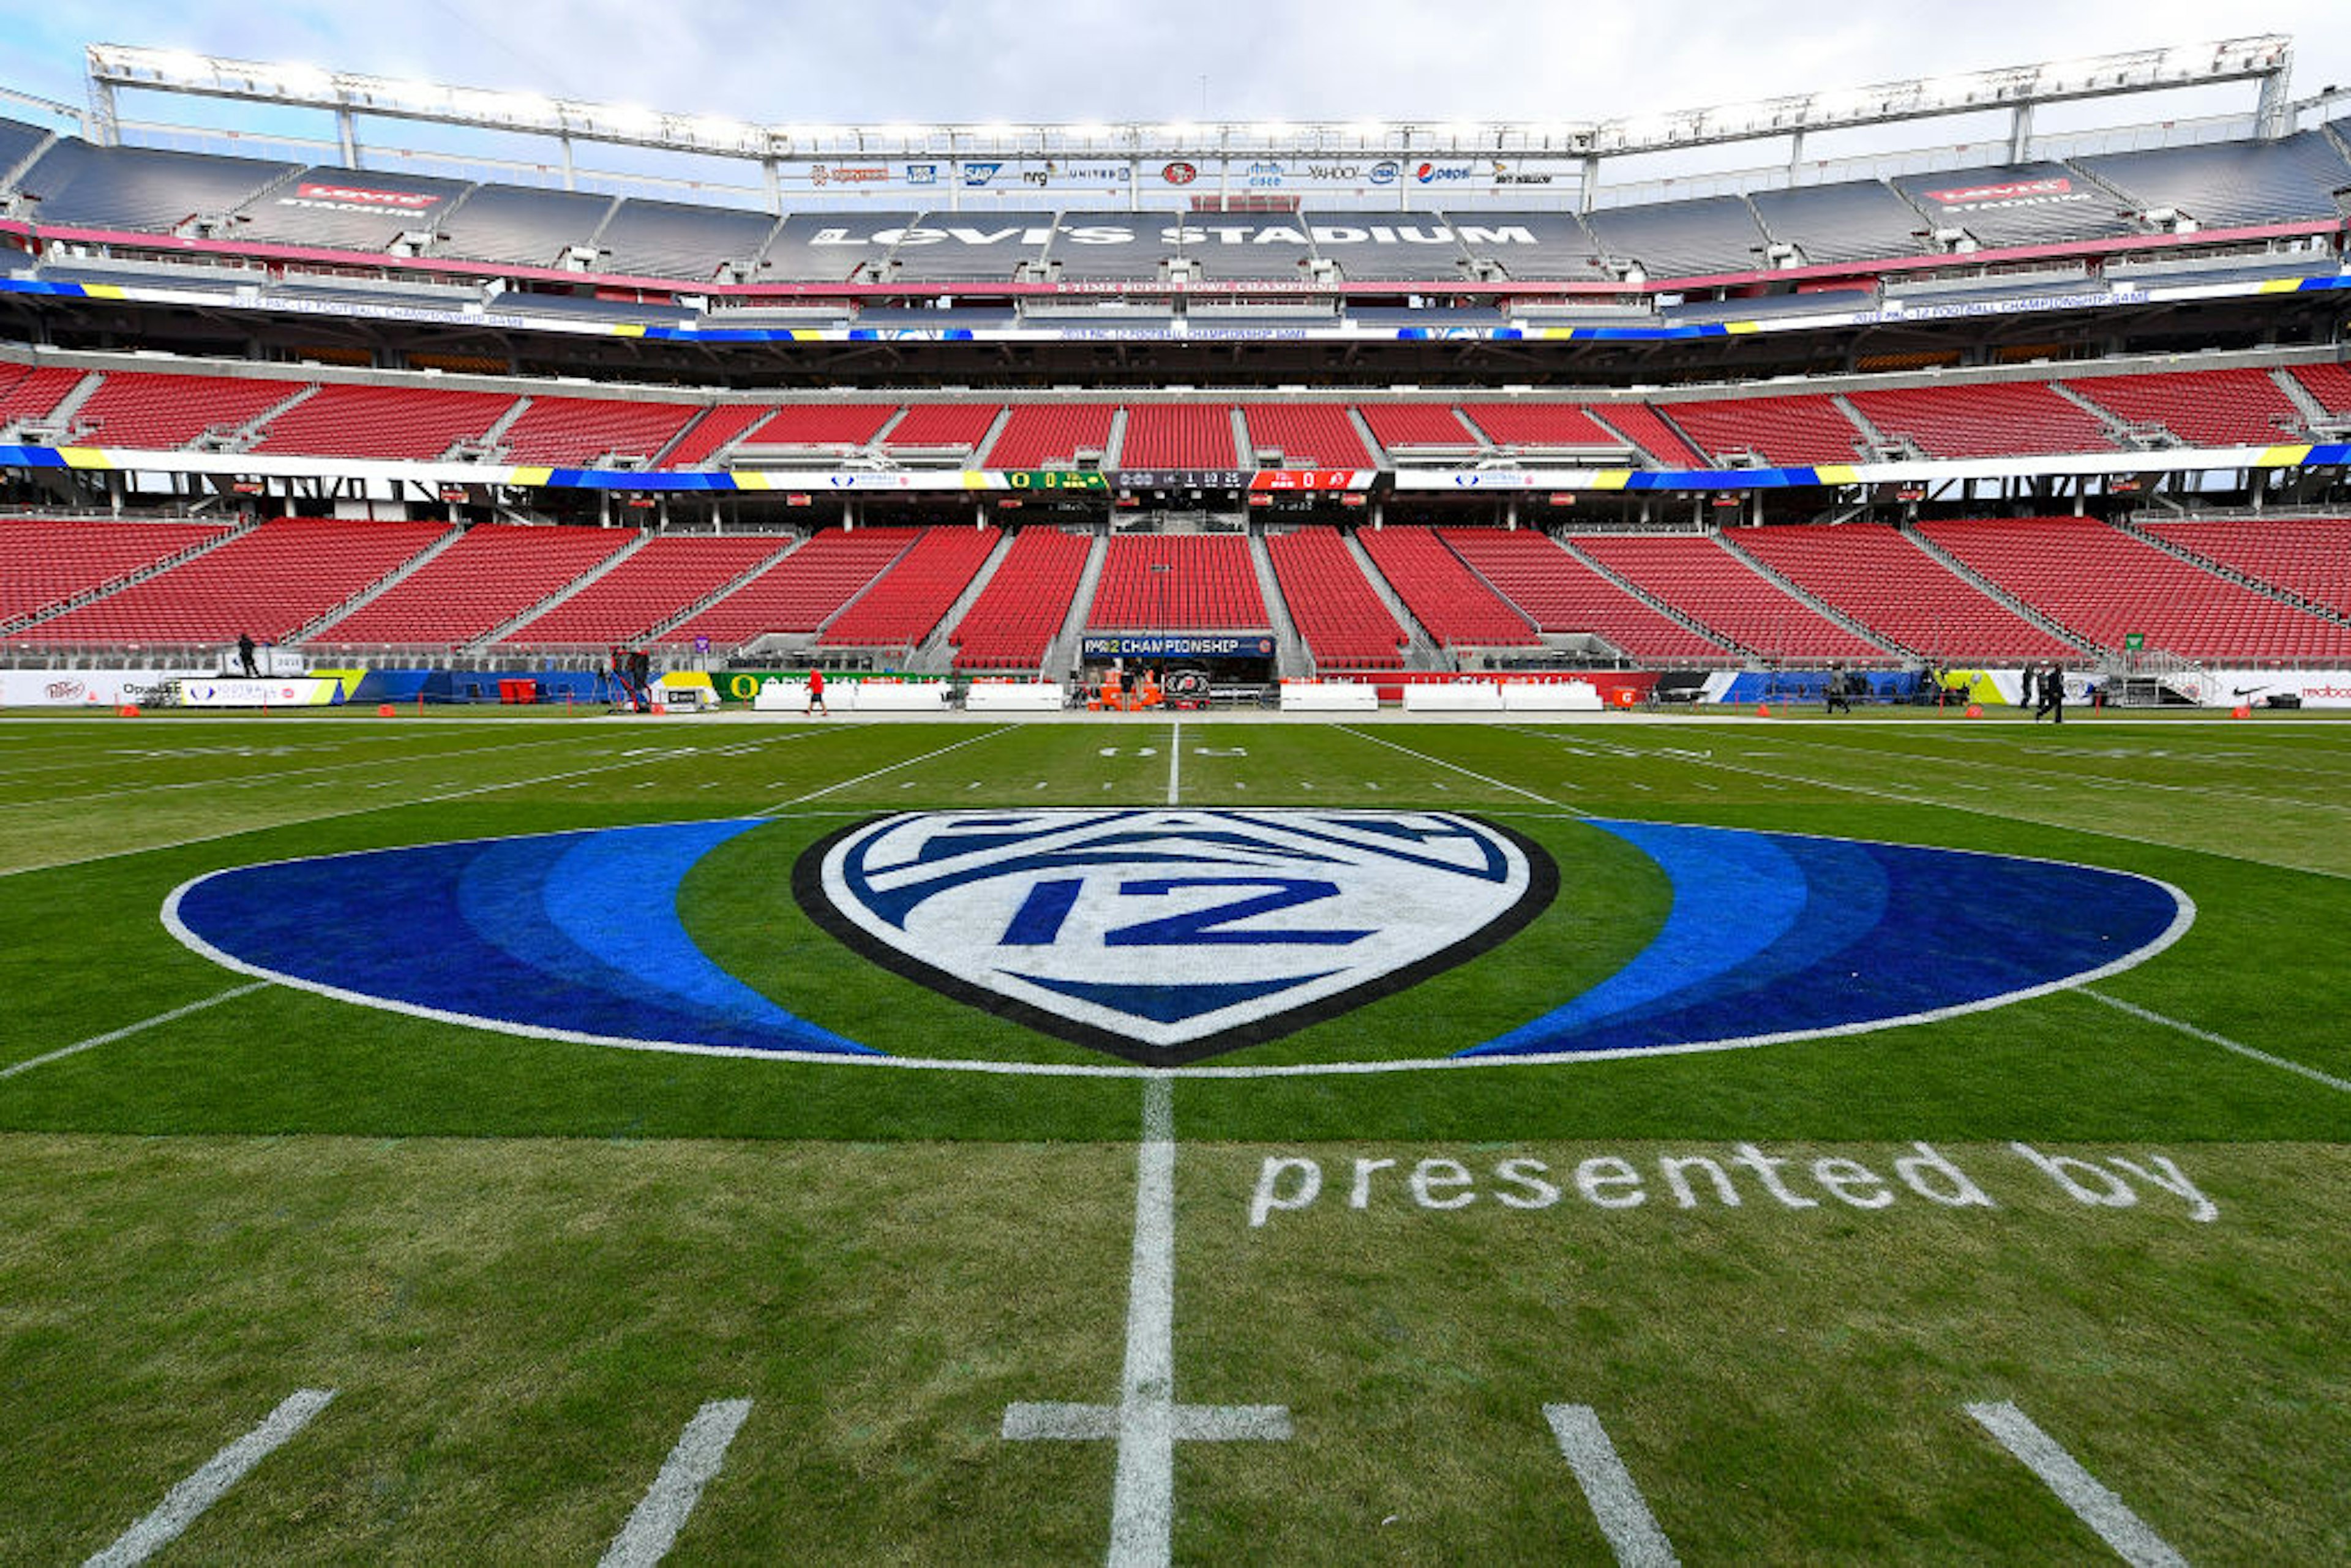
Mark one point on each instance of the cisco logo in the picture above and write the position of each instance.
(1179, 173)
(1385, 173)
(1440, 174)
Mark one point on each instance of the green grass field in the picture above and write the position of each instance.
(523, 1264)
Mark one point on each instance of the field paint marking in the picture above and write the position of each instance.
(1146, 1421)
(2077, 1488)
(2223, 1041)
(2094, 780)
(180, 1506)
(662, 1511)
(1175, 763)
(236, 780)
(130, 1029)
(1496, 783)
(1617, 1503)
(878, 772)
(2010, 817)
(392, 806)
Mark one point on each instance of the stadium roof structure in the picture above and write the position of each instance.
(1396, 154)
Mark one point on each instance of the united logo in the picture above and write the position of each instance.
(1168, 935)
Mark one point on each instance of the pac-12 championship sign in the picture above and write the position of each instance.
(1162, 936)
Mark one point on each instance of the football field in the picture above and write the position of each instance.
(542, 1139)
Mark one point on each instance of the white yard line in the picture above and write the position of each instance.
(1175, 764)
(228, 781)
(1143, 1497)
(1617, 1506)
(662, 1511)
(390, 806)
(186, 1501)
(128, 1029)
(1440, 761)
(2077, 1488)
(2006, 814)
(879, 772)
(2223, 1041)
(1147, 1422)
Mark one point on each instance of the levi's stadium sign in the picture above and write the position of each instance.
(313, 193)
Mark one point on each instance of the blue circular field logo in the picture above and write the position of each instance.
(1179, 938)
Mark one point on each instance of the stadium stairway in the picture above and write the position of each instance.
(1423, 652)
(491, 439)
(1881, 445)
(152, 568)
(1291, 657)
(1810, 601)
(1372, 447)
(663, 628)
(2119, 431)
(2315, 415)
(1061, 653)
(1115, 442)
(513, 624)
(1993, 590)
(2222, 568)
(1687, 624)
(381, 586)
(987, 442)
(935, 654)
(248, 435)
(61, 413)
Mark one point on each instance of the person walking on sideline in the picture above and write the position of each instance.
(816, 695)
(245, 655)
(2052, 693)
(1833, 697)
(2031, 678)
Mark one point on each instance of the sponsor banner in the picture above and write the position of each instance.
(214, 691)
(1015, 696)
(1329, 696)
(1177, 645)
(2258, 688)
(744, 685)
(87, 688)
(1313, 479)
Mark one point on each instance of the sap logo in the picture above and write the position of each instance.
(980, 173)
(922, 173)
(1179, 173)
(1166, 935)
(1385, 173)
(1440, 174)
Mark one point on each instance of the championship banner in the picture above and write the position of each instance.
(1177, 645)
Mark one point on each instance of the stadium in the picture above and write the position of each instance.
(1210, 840)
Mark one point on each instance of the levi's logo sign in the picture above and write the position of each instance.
(407, 200)
(2056, 186)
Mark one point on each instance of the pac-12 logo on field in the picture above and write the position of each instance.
(1168, 935)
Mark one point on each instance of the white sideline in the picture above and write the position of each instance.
(662, 1511)
(1455, 766)
(630, 761)
(878, 772)
(129, 1028)
(2223, 1041)
(1617, 1503)
(182, 1505)
(2077, 1488)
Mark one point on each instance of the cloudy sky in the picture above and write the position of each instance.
(881, 60)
